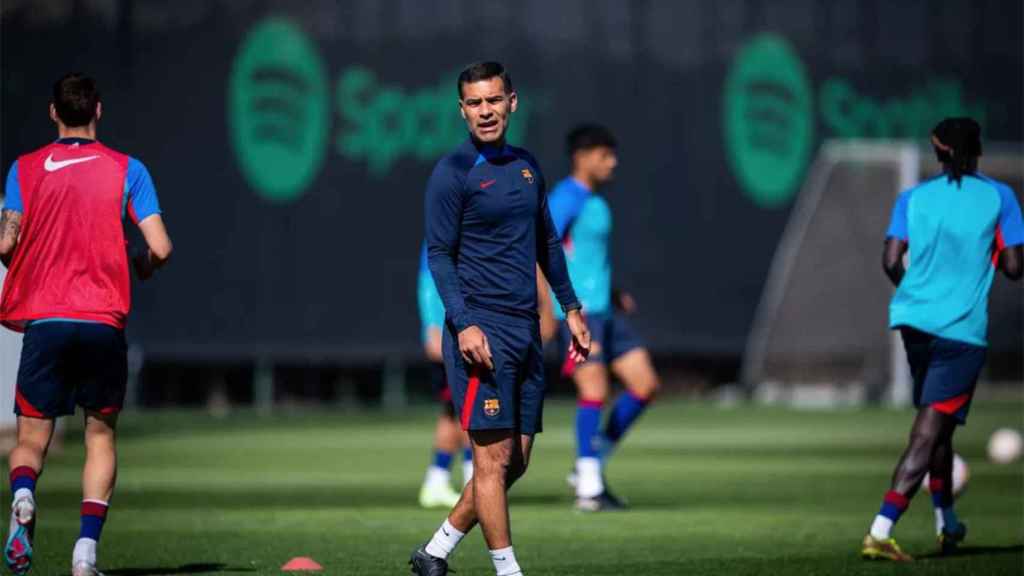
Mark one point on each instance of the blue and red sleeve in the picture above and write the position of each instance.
(1010, 228)
(565, 203)
(142, 201)
(12, 191)
(898, 223)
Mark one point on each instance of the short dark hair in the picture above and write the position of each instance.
(75, 97)
(484, 71)
(957, 143)
(587, 136)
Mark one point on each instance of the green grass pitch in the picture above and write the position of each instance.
(714, 491)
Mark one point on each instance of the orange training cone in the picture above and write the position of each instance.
(301, 563)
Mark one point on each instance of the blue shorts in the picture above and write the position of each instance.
(510, 397)
(611, 336)
(945, 371)
(64, 364)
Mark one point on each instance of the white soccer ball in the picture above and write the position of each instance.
(1005, 446)
(961, 473)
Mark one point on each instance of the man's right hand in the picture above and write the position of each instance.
(474, 348)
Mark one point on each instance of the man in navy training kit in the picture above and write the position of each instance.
(488, 228)
(958, 228)
(584, 222)
(68, 289)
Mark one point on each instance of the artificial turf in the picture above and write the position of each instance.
(743, 490)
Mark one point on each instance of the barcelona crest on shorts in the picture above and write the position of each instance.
(528, 175)
(492, 406)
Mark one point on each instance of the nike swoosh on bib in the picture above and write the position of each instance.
(51, 166)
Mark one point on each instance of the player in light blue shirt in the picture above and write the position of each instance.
(436, 490)
(584, 222)
(958, 228)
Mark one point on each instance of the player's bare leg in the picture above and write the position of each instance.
(26, 463)
(500, 457)
(948, 527)
(34, 435)
(636, 371)
(98, 478)
(100, 471)
(930, 429)
(507, 456)
(467, 456)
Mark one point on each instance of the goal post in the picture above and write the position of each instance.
(822, 319)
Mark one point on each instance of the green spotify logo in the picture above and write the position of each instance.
(278, 110)
(768, 119)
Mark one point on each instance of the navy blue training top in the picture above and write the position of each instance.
(487, 228)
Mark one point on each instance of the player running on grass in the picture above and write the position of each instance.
(958, 227)
(68, 290)
(487, 228)
(584, 223)
(448, 436)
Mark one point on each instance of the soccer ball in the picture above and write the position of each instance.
(1004, 446)
(961, 473)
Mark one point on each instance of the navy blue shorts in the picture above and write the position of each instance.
(64, 364)
(611, 336)
(945, 371)
(510, 397)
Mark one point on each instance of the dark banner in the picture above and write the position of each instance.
(290, 142)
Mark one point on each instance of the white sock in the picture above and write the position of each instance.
(444, 541)
(881, 528)
(23, 493)
(940, 521)
(438, 476)
(589, 483)
(505, 562)
(467, 472)
(85, 551)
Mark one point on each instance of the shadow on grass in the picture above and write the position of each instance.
(198, 568)
(975, 551)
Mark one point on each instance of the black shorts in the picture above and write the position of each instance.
(64, 364)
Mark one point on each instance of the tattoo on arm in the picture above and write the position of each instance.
(10, 229)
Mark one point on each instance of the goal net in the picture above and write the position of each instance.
(820, 334)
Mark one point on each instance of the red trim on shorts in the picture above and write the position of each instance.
(25, 407)
(470, 400)
(109, 410)
(445, 395)
(93, 508)
(936, 485)
(897, 499)
(952, 405)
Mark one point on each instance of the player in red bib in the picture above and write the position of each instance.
(68, 289)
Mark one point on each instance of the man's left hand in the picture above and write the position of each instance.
(579, 348)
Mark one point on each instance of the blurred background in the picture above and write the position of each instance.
(762, 144)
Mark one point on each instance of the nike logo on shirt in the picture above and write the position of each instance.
(487, 184)
(52, 166)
